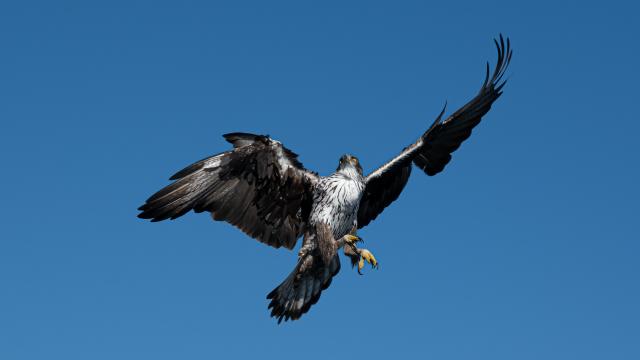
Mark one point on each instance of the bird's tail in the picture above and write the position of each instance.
(302, 288)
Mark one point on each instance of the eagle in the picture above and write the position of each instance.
(262, 188)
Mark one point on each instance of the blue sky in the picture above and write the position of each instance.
(525, 247)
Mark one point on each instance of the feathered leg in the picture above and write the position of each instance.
(312, 274)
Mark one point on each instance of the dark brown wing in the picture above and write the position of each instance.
(259, 186)
(432, 151)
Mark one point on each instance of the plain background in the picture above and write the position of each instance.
(525, 247)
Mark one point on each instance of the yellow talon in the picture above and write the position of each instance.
(352, 239)
(366, 255)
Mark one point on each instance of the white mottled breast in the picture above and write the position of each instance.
(335, 202)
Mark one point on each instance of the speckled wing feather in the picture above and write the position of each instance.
(432, 151)
(259, 187)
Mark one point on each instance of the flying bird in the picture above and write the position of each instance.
(260, 187)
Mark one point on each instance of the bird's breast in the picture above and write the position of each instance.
(336, 201)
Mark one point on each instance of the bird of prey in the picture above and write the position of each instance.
(260, 187)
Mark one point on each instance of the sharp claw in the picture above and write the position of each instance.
(353, 239)
(374, 262)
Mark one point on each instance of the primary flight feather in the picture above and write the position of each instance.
(260, 187)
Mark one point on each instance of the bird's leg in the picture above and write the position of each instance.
(307, 247)
(358, 256)
(304, 250)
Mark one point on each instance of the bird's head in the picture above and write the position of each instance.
(349, 163)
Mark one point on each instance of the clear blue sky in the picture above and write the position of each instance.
(526, 247)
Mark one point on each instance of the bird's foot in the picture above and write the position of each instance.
(352, 240)
(304, 250)
(358, 256)
(366, 255)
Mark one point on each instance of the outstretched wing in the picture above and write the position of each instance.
(432, 151)
(259, 187)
